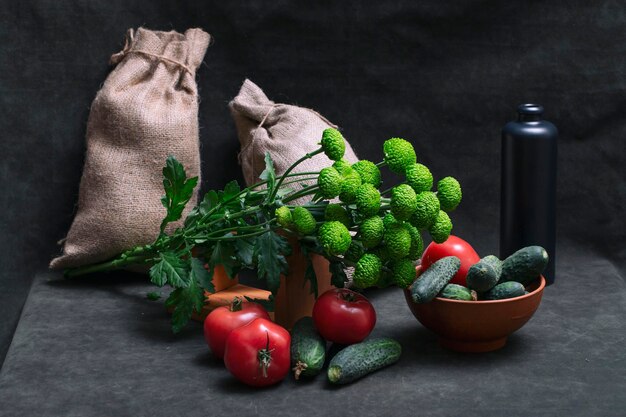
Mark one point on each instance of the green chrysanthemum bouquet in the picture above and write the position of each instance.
(349, 220)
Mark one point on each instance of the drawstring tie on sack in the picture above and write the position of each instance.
(251, 143)
(130, 37)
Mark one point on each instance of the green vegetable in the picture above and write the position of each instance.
(525, 265)
(153, 296)
(456, 292)
(361, 359)
(355, 251)
(351, 183)
(495, 263)
(284, 217)
(367, 200)
(371, 231)
(417, 243)
(441, 228)
(510, 289)
(178, 190)
(431, 282)
(403, 272)
(426, 210)
(337, 212)
(308, 349)
(342, 166)
(418, 176)
(403, 201)
(382, 252)
(333, 144)
(368, 171)
(449, 193)
(484, 275)
(388, 220)
(398, 241)
(255, 227)
(367, 271)
(329, 181)
(303, 221)
(399, 154)
(334, 237)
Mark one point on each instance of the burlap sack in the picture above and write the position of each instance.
(146, 110)
(287, 132)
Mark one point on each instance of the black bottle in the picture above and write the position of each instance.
(528, 184)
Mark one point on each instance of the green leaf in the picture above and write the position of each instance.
(224, 254)
(202, 276)
(185, 301)
(153, 296)
(269, 175)
(178, 190)
(311, 276)
(229, 195)
(270, 251)
(309, 273)
(208, 203)
(283, 191)
(338, 275)
(267, 304)
(170, 269)
(245, 251)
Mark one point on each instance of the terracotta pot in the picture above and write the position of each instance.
(294, 299)
(477, 326)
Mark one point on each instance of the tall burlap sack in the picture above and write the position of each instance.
(146, 110)
(287, 132)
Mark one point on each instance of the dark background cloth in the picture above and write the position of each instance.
(446, 75)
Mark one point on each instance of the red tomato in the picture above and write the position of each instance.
(454, 246)
(223, 320)
(258, 353)
(343, 316)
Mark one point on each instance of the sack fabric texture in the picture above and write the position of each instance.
(146, 110)
(286, 131)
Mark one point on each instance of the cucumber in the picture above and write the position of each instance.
(363, 358)
(308, 349)
(456, 292)
(525, 265)
(510, 289)
(484, 275)
(426, 287)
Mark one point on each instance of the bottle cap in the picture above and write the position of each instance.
(529, 112)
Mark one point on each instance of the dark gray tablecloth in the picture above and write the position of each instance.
(99, 348)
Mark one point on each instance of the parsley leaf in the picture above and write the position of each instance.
(178, 190)
(201, 275)
(153, 296)
(245, 250)
(170, 269)
(267, 304)
(338, 277)
(185, 301)
(269, 175)
(224, 254)
(309, 273)
(268, 253)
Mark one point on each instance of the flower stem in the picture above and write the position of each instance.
(295, 164)
(117, 263)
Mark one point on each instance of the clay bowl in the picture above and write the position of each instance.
(477, 326)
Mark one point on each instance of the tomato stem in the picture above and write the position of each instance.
(348, 296)
(265, 357)
(237, 304)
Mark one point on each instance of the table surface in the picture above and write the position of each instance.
(99, 347)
